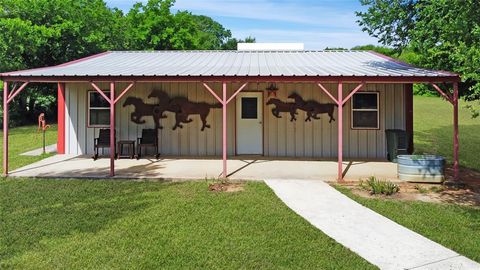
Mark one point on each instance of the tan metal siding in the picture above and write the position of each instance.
(282, 138)
(187, 141)
(319, 138)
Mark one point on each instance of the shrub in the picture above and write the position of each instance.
(421, 189)
(376, 186)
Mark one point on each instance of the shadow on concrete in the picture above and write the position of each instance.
(256, 161)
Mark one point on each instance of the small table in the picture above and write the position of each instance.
(130, 146)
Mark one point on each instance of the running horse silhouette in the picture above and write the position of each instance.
(313, 108)
(281, 106)
(183, 108)
(143, 110)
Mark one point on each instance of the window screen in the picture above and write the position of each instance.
(98, 109)
(365, 113)
(249, 108)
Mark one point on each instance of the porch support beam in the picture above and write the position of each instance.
(328, 93)
(224, 101)
(5, 128)
(444, 94)
(340, 131)
(112, 101)
(455, 133)
(236, 92)
(124, 92)
(454, 101)
(15, 92)
(340, 101)
(360, 86)
(112, 129)
(213, 93)
(224, 129)
(101, 92)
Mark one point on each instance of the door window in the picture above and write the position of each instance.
(249, 108)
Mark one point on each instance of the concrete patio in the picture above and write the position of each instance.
(175, 168)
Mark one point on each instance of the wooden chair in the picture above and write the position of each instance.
(149, 139)
(103, 141)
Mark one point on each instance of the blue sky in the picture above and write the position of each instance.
(318, 24)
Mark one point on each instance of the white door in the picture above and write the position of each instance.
(249, 123)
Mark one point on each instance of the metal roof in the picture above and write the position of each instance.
(233, 63)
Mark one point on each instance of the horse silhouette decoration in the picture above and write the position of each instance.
(144, 110)
(281, 106)
(183, 108)
(313, 108)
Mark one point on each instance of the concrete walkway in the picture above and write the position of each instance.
(37, 152)
(374, 237)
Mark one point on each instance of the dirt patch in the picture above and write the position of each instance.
(436, 193)
(464, 192)
(467, 176)
(226, 187)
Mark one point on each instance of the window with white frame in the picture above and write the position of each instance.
(365, 112)
(98, 109)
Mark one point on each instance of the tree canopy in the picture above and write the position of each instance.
(444, 34)
(38, 33)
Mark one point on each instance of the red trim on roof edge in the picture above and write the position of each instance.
(407, 64)
(60, 65)
(314, 79)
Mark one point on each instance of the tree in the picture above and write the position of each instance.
(211, 35)
(39, 33)
(152, 26)
(444, 33)
(380, 49)
(231, 43)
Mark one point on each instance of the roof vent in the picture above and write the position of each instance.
(270, 47)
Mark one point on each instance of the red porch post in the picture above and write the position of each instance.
(5, 128)
(112, 101)
(224, 129)
(224, 101)
(340, 101)
(340, 131)
(61, 118)
(408, 90)
(454, 101)
(112, 129)
(455, 132)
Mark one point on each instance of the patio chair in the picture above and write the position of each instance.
(149, 139)
(103, 141)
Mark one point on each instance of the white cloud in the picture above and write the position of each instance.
(314, 15)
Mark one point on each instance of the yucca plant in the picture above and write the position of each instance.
(376, 186)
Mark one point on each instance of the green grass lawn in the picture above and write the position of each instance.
(433, 129)
(455, 227)
(102, 224)
(23, 139)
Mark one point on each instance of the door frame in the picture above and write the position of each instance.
(263, 121)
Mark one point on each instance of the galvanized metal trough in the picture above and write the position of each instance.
(421, 168)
